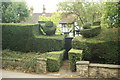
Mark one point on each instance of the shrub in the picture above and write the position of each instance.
(20, 61)
(97, 23)
(23, 37)
(54, 60)
(49, 24)
(87, 26)
(46, 43)
(94, 31)
(49, 28)
(101, 49)
(74, 56)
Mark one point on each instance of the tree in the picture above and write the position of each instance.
(55, 18)
(13, 12)
(111, 14)
(86, 12)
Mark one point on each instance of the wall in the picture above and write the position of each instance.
(90, 70)
(25, 66)
(41, 65)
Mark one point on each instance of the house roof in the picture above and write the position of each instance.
(35, 18)
(68, 19)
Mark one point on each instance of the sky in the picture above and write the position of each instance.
(51, 5)
(37, 5)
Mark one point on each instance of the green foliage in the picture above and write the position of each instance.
(49, 28)
(102, 48)
(110, 15)
(19, 60)
(23, 37)
(87, 26)
(13, 12)
(55, 18)
(54, 60)
(74, 56)
(94, 31)
(86, 12)
(96, 23)
(49, 24)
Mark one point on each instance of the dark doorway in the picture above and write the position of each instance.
(68, 46)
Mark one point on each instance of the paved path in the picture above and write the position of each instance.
(12, 74)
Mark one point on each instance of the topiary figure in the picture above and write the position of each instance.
(94, 31)
(49, 28)
(96, 23)
(49, 24)
(87, 26)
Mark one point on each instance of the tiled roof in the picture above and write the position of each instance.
(35, 18)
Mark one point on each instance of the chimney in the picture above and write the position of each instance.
(31, 11)
(44, 8)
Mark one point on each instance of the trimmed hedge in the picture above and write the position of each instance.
(48, 27)
(101, 49)
(24, 38)
(96, 23)
(94, 31)
(54, 60)
(87, 26)
(74, 56)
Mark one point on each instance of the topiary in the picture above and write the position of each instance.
(87, 26)
(49, 28)
(94, 31)
(96, 23)
(49, 24)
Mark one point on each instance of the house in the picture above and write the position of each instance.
(63, 24)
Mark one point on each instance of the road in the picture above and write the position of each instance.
(12, 74)
(9, 75)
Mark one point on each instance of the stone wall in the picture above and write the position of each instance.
(41, 65)
(18, 64)
(90, 70)
(23, 65)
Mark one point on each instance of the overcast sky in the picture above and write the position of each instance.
(50, 5)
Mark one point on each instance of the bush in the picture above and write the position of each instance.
(23, 37)
(97, 23)
(74, 56)
(87, 26)
(54, 60)
(49, 24)
(94, 31)
(49, 28)
(101, 49)
(46, 43)
(20, 61)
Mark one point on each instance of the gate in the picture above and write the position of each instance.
(68, 46)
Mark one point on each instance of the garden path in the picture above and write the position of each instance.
(65, 71)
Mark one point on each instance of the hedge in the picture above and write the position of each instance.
(54, 60)
(26, 38)
(74, 56)
(96, 23)
(94, 31)
(87, 26)
(100, 49)
(48, 27)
